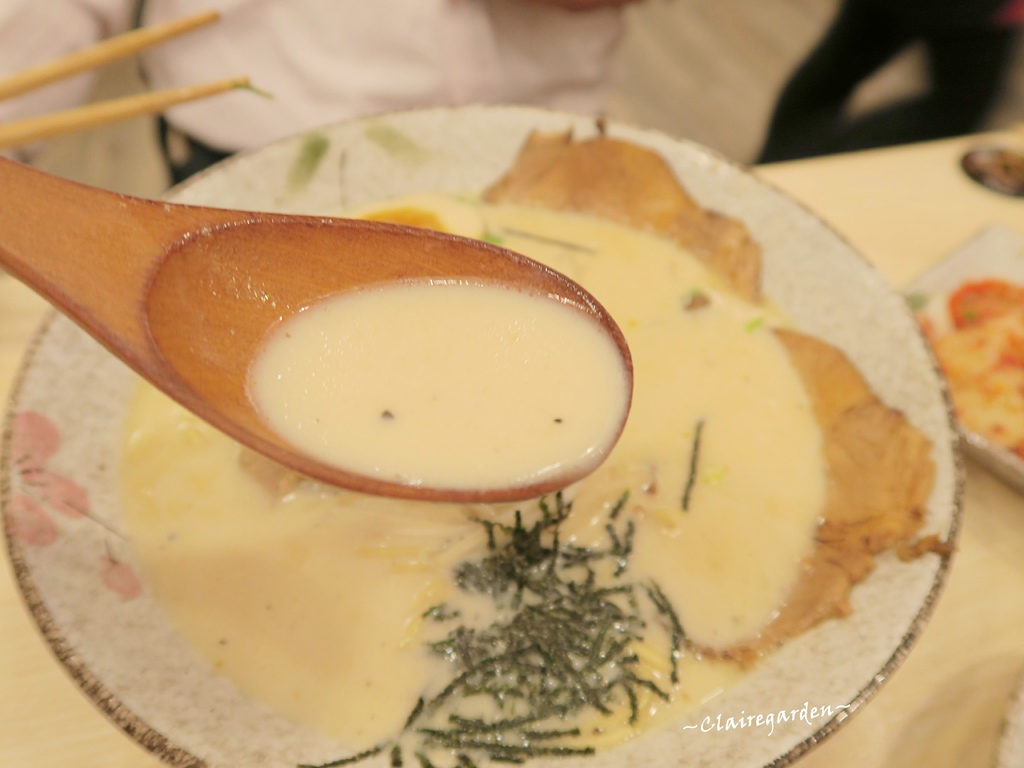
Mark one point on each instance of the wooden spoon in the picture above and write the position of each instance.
(185, 295)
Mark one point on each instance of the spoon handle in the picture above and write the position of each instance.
(90, 252)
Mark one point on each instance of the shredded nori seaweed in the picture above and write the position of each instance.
(561, 647)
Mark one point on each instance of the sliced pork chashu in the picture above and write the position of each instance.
(631, 185)
(880, 471)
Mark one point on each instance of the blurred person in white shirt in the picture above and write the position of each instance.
(323, 61)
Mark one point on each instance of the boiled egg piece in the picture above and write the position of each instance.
(444, 213)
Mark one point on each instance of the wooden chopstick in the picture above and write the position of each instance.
(92, 115)
(102, 53)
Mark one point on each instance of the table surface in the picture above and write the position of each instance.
(904, 208)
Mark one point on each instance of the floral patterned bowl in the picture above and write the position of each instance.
(60, 485)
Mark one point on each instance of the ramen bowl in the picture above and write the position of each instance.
(63, 434)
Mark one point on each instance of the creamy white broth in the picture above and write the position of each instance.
(733, 556)
(312, 599)
(449, 385)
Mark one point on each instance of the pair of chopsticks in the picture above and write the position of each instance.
(92, 115)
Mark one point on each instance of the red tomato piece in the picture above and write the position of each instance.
(980, 301)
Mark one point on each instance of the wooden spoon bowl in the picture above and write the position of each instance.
(185, 295)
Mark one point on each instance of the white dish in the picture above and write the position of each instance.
(64, 429)
(995, 252)
(1011, 743)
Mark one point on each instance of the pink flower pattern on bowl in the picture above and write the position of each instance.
(40, 491)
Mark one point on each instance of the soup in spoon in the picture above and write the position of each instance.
(456, 384)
